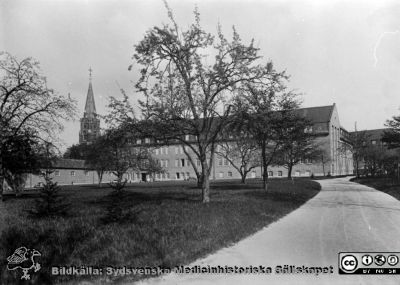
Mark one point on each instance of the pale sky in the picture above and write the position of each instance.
(343, 52)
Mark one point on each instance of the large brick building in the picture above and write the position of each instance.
(330, 135)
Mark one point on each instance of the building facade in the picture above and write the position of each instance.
(330, 136)
(69, 172)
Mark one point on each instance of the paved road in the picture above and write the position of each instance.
(343, 217)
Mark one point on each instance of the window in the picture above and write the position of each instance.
(147, 140)
(182, 175)
(230, 174)
(167, 175)
(297, 173)
(176, 162)
(270, 173)
(176, 150)
(253, 174)
(221, 175)
(72, 173)
(182, 162)
(279, 173)
(156, 151)
(198, 162)
(177, 175)
(166, 150)
(57, 173)
(158, 176)
(138, 141)
(187, 175)
(373, 142)
(166, 163)
(163, 176)
(181, 149)
(226, 162)
(87, 173)
(187, 138)
(220, 161)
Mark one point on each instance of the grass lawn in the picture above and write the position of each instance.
(165, 224)
(384, 184)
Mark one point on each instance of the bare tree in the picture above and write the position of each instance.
(299, 144)
(357, 146)
(322, 155)
(27, 105)
(240, 150)
(185, 89)
(265, 112)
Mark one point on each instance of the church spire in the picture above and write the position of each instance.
(90, 123)
(90, 107)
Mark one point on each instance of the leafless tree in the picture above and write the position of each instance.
(185, 88)
(27, 105)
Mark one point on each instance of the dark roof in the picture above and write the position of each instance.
(321, 114)
(63, 163)
(374, 134)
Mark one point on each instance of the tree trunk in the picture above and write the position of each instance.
(265, 178)
(199, 180)
(265, 166)
(100, 175)
(205, 188)
(289, 175)
(243, 180)
(357, 172)
(2, 188)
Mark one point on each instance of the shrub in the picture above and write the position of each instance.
(50, 202)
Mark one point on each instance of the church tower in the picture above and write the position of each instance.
(90, 123)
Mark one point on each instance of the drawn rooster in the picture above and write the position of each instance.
(24, 258)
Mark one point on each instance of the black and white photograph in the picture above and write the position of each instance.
(171, 142)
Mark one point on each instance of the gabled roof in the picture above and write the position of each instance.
(321, 114)
(63, 163)
(90, 107)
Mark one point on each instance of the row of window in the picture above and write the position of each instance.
(182, 175)
(148, 140)
(72, 173)
(223, 162)
(162, 150)
(296, 173)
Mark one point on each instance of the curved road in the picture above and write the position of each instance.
(343, 217)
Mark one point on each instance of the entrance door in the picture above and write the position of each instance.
(144, 177)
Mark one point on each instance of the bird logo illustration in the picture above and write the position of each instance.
(25, 259)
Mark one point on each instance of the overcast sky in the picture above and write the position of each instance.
(343, 52)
